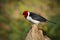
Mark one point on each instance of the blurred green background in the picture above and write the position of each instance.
(13, 26)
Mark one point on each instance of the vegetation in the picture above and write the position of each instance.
(13, 26)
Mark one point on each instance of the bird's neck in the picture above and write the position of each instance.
(27, 15)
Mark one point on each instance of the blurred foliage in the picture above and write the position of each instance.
(13, 26)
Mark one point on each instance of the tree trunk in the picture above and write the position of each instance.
(35, 34)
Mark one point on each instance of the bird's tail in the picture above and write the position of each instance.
(51, 22)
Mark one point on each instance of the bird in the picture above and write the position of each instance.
(35, 18)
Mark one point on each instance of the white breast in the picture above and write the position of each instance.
(32, 20)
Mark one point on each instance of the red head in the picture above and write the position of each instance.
(25, 13)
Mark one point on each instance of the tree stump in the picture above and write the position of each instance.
(35, 34)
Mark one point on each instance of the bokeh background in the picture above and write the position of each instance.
(13, 26)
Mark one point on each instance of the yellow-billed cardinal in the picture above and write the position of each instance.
(34, 18)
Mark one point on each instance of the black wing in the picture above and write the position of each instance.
(37, 17)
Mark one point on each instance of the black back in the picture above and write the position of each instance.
(37, 17)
